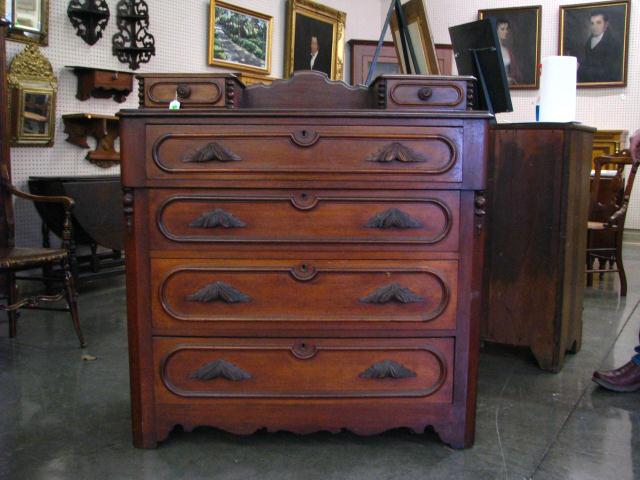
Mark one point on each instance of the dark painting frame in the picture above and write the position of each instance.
(604, 65)
(523, 45)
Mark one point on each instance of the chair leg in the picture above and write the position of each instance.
(589, 267)
(12, 297)
(72, 300)
(621, 272)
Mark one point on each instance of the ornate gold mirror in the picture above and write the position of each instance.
(29, 20)
(32, 99)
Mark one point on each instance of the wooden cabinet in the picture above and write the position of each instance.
(538, 199)
(305, 262)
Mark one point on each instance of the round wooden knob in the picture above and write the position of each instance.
(425, 93)
(183, 91)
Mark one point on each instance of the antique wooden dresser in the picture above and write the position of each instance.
(304, 256)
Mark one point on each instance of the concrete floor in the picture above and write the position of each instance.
(64, 418)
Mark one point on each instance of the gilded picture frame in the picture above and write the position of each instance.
(421, 35)
(598, 35)
(314, 39)
(519, 33)
(29, 20)
(239, 39)
(32, 99)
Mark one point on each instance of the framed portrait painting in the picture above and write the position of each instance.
(315, 39)
(519, 36)
(598, 35)
(239, 38)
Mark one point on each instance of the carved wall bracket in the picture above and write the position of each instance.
(133, 44)
(89, 18)
(100, 83)
(104, 128)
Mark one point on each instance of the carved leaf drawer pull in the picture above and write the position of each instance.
(217, 218)
(212, 152)
(219, 291)
(396, 152)
(387, 369)
(393, 292)
(220, 369)
(393, 218)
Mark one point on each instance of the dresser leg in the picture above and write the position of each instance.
(455, 435)
(142, 440)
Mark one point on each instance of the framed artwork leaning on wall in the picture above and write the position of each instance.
(239, 38)
(519, 35)
(29, 20)
(598, 35)
(314, 39)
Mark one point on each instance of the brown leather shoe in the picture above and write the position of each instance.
(623, 379)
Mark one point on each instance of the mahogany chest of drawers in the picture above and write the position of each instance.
(305, 256)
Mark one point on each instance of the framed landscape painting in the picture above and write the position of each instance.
(598, 35)
(519, 36)
(239, 38)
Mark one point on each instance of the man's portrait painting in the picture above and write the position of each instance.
(597, 34)
(315, 39)
(313, 44)
(518, 32)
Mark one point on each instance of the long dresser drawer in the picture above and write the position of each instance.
(206, 296)
(426, 219)
(217, 150)
(205, 368)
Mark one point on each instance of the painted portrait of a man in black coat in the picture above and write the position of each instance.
(597, 38)
(601, 60)
(313, 45)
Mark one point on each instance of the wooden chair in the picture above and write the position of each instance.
(13, 259)
(609, 231)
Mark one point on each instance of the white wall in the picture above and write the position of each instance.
(603, 108)
(180, 29)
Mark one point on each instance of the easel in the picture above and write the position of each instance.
(405, 40)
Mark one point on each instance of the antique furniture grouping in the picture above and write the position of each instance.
(538, 197)
(100, 229)
(102, 83)
(104, 128)
(607, 216)
(89, 18)
(133, 44)
(32, 99)
(306, 262)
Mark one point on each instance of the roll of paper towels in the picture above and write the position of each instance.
(558, 89)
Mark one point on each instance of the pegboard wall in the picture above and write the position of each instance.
(180, 29)
(181, 32)
(603, 108)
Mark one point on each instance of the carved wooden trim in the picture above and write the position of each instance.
(218, 291)
(127, 204)
(220, 369)
(471, 93)
(441, 362)
(432, 311)
(211, 152)
(308, 202)
(217, 218)
(393, 292)
(396, 152)
(387, 369)
(214, 98)
(393, 218)
(424, 99)
(258, 136)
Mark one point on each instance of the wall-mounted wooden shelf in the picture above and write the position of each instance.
(101, 83)
(104, 128)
